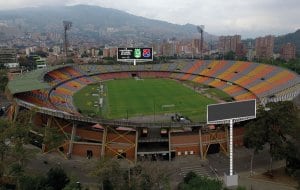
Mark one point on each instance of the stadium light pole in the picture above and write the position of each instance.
(231, 147)
(235, 112)
(67, 26)
(200, 30)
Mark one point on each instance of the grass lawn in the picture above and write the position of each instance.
(86, 100)
(142, 97)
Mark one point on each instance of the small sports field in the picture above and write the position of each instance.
(130, 97)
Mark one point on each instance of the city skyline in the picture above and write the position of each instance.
(249, 19)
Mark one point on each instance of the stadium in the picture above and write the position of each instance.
(51, 94)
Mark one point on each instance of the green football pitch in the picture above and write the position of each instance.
(129, 97)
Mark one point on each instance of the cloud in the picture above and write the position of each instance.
(16, 4)
(249, 18)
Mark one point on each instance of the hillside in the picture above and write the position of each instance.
(95, 22)
(288, 38)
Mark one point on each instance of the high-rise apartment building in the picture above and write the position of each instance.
(113, 51)
(228, 43)
(110, 52)
(196, 46)
(168, 49)
(264, 47)
(8, 57)
(241, 50)
(288, 51)
(106, 52)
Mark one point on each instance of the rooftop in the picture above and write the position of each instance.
(32, 80)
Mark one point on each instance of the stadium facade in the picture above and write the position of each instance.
(49, 93)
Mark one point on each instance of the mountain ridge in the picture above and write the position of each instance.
(97, 19)
(293, 38)
(106, 25)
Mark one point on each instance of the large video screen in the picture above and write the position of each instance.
(231, 110)
(135, 54)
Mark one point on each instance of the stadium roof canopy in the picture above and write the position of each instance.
(32, 80)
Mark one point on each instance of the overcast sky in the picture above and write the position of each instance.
(250, 18)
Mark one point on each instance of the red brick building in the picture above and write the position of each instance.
(228, 43)
(241, 50)
(288, 51)
(264, 47)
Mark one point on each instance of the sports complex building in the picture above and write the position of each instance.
(49, 92)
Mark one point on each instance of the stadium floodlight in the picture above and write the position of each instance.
(200, 30)
(67, 26)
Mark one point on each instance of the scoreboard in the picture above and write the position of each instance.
(131, 54)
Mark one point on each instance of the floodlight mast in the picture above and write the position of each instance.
(200, 30)
(231, 147)
(67, 26)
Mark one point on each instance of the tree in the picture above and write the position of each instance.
(229, 55)
(194, 182)
(53, 138)
(149, 176)
(109, 173)
(57, 178)
(24, 61)
(84, 54)
(17, 171)
(293, 152)
(14, 156)
(41, 53)
(34, 183)
(100, 52)
(146, 176)
(189, 176)
(272, 125)
(27, 62)
(3, 80)
(69, 60)
(18, 155)
(4, 124)
(292, 64)
(293, 160)
(74, 184)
